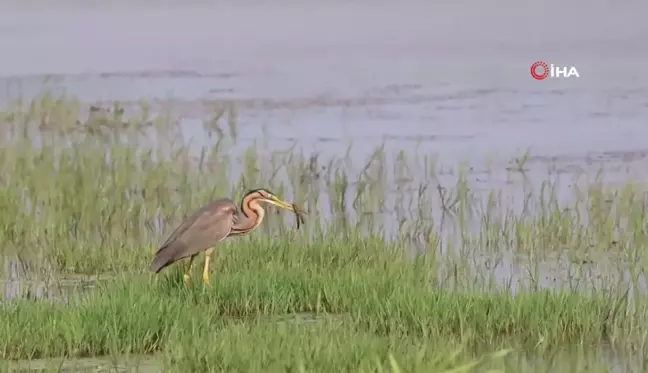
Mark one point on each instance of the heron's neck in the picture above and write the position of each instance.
(245, 224)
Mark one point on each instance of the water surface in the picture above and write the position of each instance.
(455, 74)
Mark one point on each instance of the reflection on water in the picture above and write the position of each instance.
(118, 364)
(569, 360)
(51, 290)
(17, 282)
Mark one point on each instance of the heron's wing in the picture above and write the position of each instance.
(202, 230)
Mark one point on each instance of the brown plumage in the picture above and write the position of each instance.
(213, 223)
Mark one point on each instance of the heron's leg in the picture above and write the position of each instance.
(187, 274)
(208, 254)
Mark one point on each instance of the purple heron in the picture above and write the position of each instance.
(213, 223)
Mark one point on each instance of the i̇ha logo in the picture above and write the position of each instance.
(540, 70)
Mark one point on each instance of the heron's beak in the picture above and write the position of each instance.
(285, 205)
(281, 203)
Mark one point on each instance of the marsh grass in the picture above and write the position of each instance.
(365, 311)
(399, 262)
(98, 195)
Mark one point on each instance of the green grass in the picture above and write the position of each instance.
(367, 309)
(383, 296)
(397, 265)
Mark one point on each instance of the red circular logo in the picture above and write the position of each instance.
(539, 65)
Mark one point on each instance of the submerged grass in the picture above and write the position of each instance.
(399, 264)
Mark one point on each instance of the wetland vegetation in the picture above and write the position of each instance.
(402, 266)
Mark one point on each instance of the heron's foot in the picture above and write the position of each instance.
(206, 280)
(186, 279)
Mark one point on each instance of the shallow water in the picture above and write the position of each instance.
(453, 74)
(143, 364)
(575, 359)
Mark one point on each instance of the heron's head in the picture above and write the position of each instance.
(264, 195)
